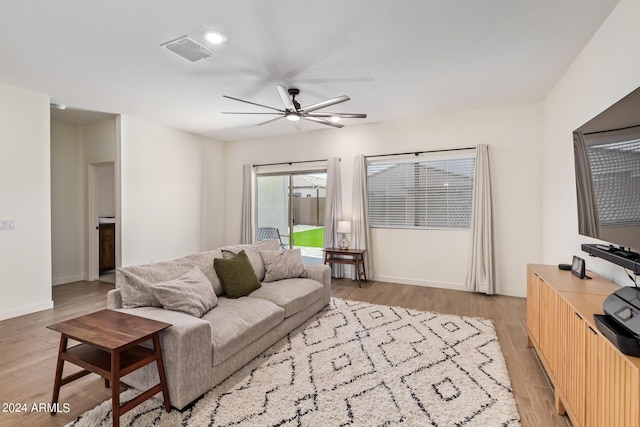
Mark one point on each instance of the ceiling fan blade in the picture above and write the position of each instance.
(253, 103)
(342, 115)
(347, 80)
(237, 112)
(323, 104)
(323, 121)
(286, 99)
(269, 121)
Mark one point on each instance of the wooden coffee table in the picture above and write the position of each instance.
(109, 346)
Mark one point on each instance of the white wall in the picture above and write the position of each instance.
(434, 257)
(213, 193)
(168, 184)
(606, 70)
(25, 254)
(106, 190)
(67, 203)
(99, 141)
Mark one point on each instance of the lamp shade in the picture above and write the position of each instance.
(344, 227)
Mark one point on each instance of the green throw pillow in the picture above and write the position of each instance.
(236, 275)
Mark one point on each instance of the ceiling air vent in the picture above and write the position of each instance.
(188, 48)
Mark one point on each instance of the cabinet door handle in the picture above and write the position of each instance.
(591, 329)
(578, 315)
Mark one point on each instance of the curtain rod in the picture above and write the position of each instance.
(610, 130)
(290, 163)
(420, 152)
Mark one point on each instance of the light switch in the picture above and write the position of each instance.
(7, 224)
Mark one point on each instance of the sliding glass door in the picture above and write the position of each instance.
(290, 206)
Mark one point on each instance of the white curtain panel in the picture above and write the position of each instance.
(480, 268)
(246, 217)
(360, 233)
(333, 210)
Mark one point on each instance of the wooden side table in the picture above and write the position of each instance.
(347, 256)
(109, 346)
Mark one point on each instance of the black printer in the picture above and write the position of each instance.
(621, 323)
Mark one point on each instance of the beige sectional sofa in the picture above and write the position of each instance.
(200, 352)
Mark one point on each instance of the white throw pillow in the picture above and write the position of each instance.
(191, 293)
(285, 264)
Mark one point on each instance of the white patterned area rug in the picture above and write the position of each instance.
(355, 364)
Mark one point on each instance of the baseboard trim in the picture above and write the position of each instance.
(69, 279)
(512, 292)
(4, 315)
(418, 282)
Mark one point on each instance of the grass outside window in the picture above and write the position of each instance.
(309, 238)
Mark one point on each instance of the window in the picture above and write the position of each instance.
(422, 193)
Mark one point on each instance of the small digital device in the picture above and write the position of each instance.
(577, 267)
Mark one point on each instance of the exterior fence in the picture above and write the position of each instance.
(308, 210)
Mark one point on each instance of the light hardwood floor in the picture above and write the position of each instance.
(28, 350)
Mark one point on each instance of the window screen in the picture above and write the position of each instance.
(421, 194)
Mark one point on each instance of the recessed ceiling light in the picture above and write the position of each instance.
(58, 106)
(335, 119)
(214, 37)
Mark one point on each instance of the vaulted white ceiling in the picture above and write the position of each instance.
(395, 59)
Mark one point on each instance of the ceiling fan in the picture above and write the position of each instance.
(293, 112)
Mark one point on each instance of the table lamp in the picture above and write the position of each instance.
(344, 228)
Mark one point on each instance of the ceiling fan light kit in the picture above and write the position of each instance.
(294, 112)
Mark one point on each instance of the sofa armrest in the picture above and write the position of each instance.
(187, 354)
(319, 272)
(322, 274)
(114, 299)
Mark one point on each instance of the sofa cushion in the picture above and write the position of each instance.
(135, 281)
(236, 323)
(204, 260)
(190, 293)
(293, 295)
(253, 252)
(236, 275)
(282, 264)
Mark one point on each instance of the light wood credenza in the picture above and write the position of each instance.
(594, 383)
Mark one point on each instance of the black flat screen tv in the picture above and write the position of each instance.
(607, 169)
